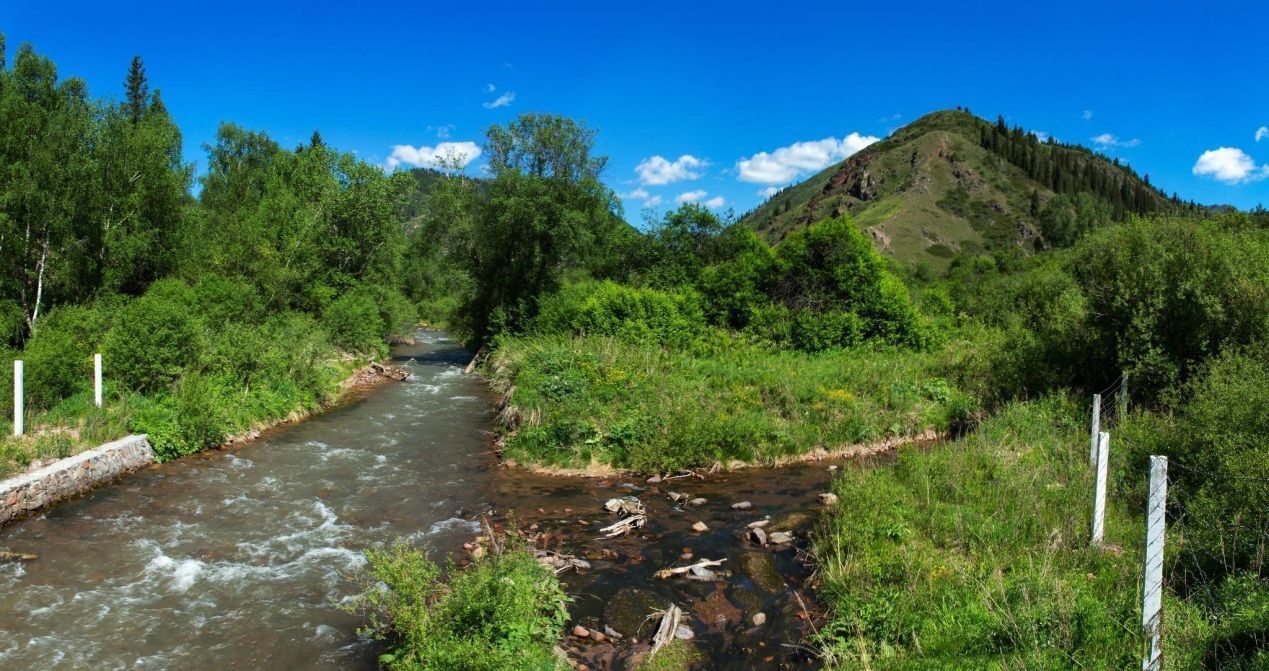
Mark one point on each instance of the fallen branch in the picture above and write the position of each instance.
(666, 630)
(680, 570)
(624, 526)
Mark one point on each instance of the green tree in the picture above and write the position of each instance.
(544, 211)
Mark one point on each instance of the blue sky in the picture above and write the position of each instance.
(754, 95)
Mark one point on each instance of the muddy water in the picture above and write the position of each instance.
(236, 559)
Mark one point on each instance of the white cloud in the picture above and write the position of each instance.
(784, 164)
(443, 155)
(1041, 135)
(658, 170)
(1229, 165)
(1262, 133)
(1106, 141)
(642, 194)
(768, 192)
(444, 131)
(690, 196)
(502, 101)
(490, 88)
(1087, 115)
(715, 202)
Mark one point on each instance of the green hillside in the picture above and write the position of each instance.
(952, 182)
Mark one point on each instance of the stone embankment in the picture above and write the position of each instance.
(32, 491)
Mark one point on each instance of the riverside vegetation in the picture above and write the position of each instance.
(692, 342)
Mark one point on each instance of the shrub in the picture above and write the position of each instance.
(631, 313)
(57, 364)
(184, 422)
(396, 311)
(832, 266)
(354, 322)
(154, 338)
(504, 611)
(221, 300)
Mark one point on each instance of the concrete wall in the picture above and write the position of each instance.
(71, 476)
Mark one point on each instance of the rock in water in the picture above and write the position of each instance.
(581, 632)
(780, 537)
(743, 505)
(759, 619)
(758, 536)
(700, 527)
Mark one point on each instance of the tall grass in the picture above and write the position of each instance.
(586, 400)
(976, 554)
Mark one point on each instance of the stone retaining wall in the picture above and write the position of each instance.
(71, 476)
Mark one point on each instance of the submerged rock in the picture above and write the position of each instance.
(629, 608)
(743, 505)
(761, 569)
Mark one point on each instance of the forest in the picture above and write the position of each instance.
(247, 294)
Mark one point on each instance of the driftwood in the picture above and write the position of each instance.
(666, 630)
(393, 372)
(624, 526)
(6, 555)
(680, 570)
(633, 516)
(560, 562)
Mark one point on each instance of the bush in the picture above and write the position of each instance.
(832, 267)
(633, 314)
(354, 322)
(396, 311)
(56, 365)
(154, 339)
(504, 611)
(1164, 295)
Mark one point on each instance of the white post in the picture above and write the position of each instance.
(1099, 494)
(1097, 427)
(97, 379)
(17, 397)
(1152, 592)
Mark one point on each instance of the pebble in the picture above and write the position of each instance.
(696, 502)
(581, 632)
(654, 479)
(759, 619)
(743, 505)
(700, 527)
(759, 524)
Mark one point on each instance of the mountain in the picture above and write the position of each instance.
(952, 182)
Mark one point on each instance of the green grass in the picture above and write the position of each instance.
(505, 611)
(586, 401)
(75, 425)
(975, 555)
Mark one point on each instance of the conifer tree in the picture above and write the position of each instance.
(137, 90)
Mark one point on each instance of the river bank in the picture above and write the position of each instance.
(190, 557)
(46, 482)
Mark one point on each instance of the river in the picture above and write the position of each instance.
(238, 558)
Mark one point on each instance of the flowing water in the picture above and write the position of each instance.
(238, 558)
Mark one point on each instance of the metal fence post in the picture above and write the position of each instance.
(1097, 427)
(1099, 492)
(1152, 592)
(17, 397)
(97, 379)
